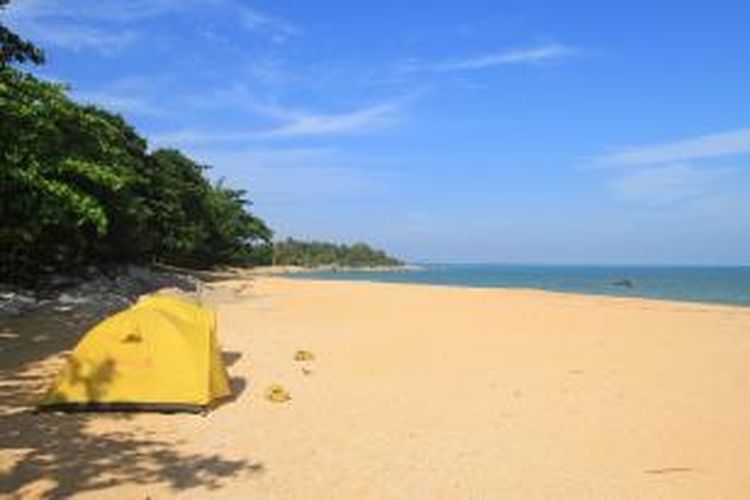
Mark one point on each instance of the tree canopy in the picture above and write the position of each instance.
(80, 186)
(293, 252)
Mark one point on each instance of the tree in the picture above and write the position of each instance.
(13, 48)
(78, 186)
(315, 253)
(174, 191)
(62, 165)
(193, 222)
(233, 232)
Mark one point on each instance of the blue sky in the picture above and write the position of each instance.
(555, 132)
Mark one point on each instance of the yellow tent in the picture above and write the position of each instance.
(160, 354)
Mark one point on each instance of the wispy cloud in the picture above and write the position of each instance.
(293, 123)
(82, 37)
(530, 55)
(109, 25)
(104, 10)
(305, 192)
(667, 184)
(301, 124)
(295, 176)
(75, 36)
(199, 137)
(132, 95)
(676, 173)
(124, 104)
(80, 25)
(729, 143)
(279, 30)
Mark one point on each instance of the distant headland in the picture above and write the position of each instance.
(294, 255)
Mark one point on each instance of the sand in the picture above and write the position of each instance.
(421, 392)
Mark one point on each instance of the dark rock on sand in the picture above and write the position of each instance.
(96, 293)
(624, 283)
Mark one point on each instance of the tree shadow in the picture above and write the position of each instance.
(43, 334)
(60, 450)
(95, 380)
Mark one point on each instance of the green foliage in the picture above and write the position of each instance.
(198, 224)
(293, 252)
(59, 162)
(13, 48)
(78, 186)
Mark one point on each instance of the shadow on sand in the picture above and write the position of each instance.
(55, 455)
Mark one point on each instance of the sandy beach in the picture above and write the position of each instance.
(415, 392)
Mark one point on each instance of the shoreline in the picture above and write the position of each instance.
(333, 268)
(531, 292)
(510, 289)
(14, 299)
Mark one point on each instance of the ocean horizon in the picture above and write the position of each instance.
(705, 284)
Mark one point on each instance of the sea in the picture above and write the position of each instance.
(718, 285)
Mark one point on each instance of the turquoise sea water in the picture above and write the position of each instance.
(723, 285)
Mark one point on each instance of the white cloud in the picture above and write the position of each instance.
(101, 10)
(668, 184)
(296, 176)
(542, 53)
(730, 143)
(201, 137)
(276, 28)
(75, 26)
(301, 124)
(123, 104)
(132, 95)
(675, 177)
(109, 25)
(267, 70)
(75, 36)
(293, 124)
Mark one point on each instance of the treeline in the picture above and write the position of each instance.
(79, 186)
(293, 252)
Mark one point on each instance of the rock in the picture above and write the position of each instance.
(624, 283)
(65, 298)
(13, 303)
(62, 281)
(95, 293)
